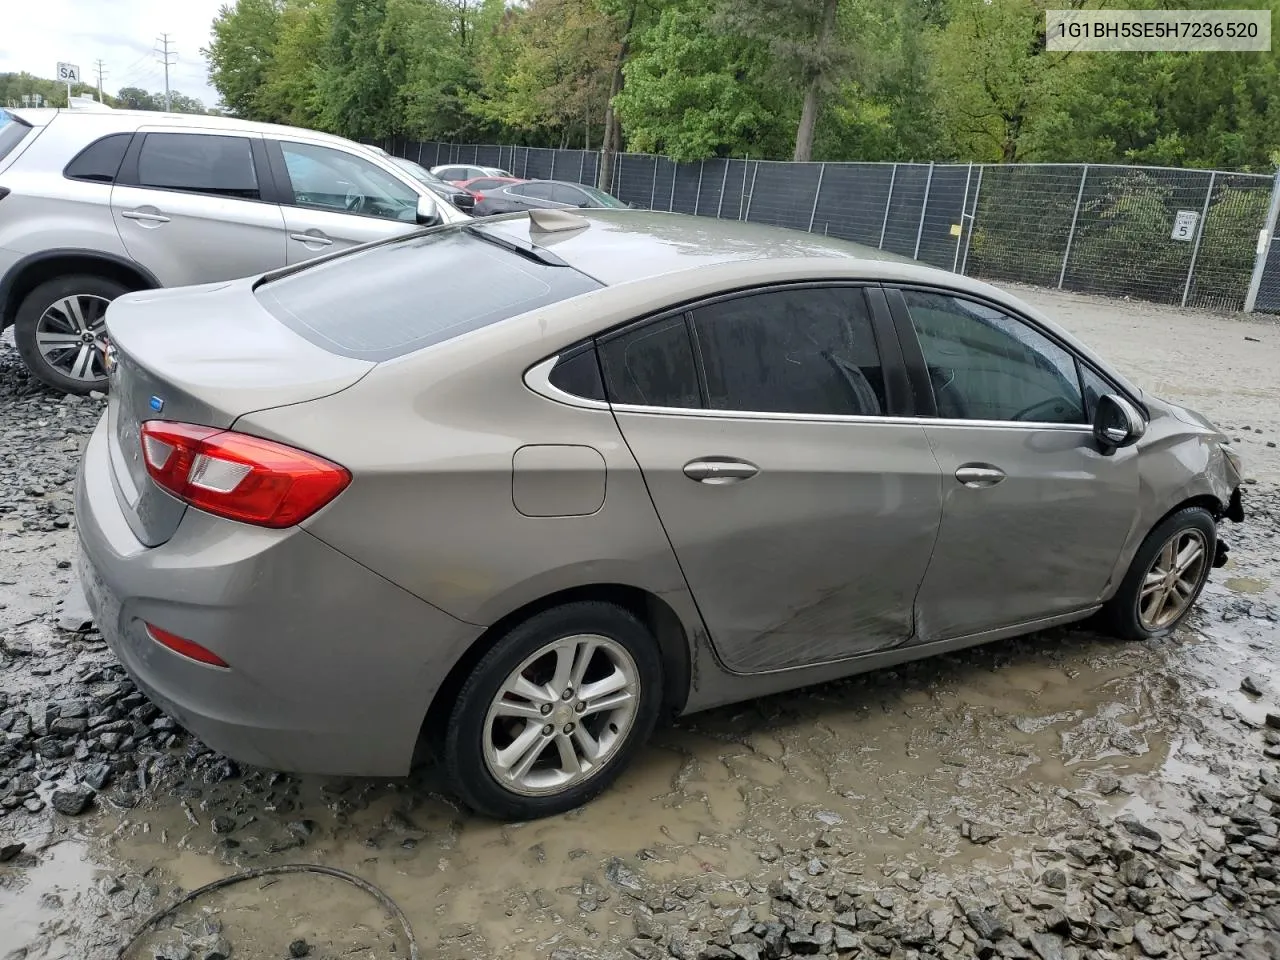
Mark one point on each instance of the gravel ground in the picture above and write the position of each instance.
(1055, 796)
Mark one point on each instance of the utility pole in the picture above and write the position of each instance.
(101, 73)
(163, 55)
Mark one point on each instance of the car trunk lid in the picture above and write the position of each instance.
(205, 355)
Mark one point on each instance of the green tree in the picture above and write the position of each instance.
(993, 75)
(290, 92)
(135, 98)
(358, 93)
(239, 54)
(553, 69)
(806, 49)
(693, 91)
(15, 86)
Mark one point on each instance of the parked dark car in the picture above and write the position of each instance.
(480, 185)
(464, 200)
(535, 194)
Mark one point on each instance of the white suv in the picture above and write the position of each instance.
(93, 205)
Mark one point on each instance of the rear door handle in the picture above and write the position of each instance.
(141, 215)
(719, 472)
(979, 474)
(315, 238)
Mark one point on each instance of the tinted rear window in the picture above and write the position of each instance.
(12, 130)
(392, 299)
(100, 161)
(200, 163)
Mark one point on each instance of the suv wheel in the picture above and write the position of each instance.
(554, 711)
(61, 331)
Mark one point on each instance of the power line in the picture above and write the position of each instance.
(163, 56)
(101, 73)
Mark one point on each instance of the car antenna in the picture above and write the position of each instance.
(555, 221)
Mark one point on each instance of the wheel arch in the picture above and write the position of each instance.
(656, 614)
(37, 268)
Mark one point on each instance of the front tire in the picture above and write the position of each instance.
(60, 330)
(1166, 576)
(554, 711)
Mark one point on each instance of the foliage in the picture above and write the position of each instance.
(14, 86)
(846, 79)
(245, 34)
(135, 98)
(694, 92)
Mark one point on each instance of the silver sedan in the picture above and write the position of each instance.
(652, 464)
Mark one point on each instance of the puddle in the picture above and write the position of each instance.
(1246, 584)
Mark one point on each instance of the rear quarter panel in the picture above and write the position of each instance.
(430, 440)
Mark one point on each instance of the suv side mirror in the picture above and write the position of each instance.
(1117, 423)
(428, 214)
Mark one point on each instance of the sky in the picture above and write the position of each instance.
(36, 34)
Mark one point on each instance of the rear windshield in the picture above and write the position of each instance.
(12, 130)
(392, 299)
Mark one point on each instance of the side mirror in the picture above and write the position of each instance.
(428, 214)
(1117, 423)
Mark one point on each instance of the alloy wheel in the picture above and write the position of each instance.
(1172, 579)
(71, 336)
(561, 715)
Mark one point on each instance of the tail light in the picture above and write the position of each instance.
(237, 476)
(478, 195)
(188, 648)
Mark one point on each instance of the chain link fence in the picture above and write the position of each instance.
(1176, 236)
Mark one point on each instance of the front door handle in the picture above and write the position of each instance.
(720, 472)
(979, 475)
(143, 215)
(316, 238)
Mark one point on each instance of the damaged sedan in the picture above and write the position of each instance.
(652, 465)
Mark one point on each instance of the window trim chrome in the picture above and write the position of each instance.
(538, 379)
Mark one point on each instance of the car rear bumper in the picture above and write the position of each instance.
(331, 667)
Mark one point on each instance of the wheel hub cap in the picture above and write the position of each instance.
(1173, 579)
(71, 336)
(561, 715)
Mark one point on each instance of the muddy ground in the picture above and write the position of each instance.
(1056, 796)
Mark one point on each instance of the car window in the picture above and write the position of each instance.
(987, 365)
(578, 373)
(12, 130)
(1095, 387)
(807, 350)
(99, 161)
(652, 366)
(563, 193)
(391, 299)
(537, 190)
(330, 179)
(484, 183)
(198, 163)
(602, 198)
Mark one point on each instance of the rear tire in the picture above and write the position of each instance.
(581, 718)
(60, 332)
(1154, 597)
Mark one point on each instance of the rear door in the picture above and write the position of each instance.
(1034, 513)
(801, 506)
(197, 206)
(334, 199)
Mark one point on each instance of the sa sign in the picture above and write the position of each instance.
(1184, 225)
(68, 73)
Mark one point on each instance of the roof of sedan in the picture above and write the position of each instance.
(618, 246)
